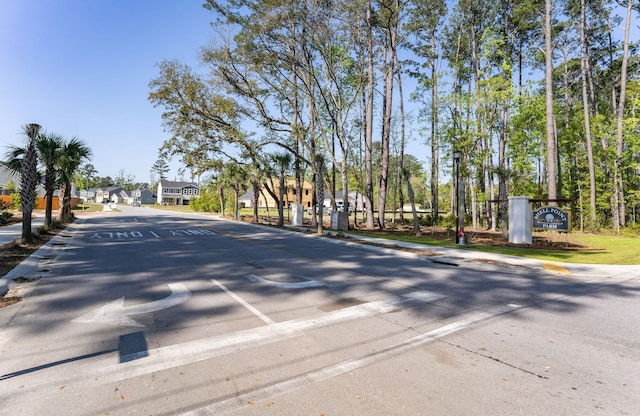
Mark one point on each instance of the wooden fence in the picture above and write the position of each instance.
(40, 202)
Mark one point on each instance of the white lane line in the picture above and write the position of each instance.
(241, 301)
(298, 285)
(306, 380)
(103, 371)
(154, 234)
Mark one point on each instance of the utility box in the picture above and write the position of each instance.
(340, 221)
(297, 211)
(520, 220)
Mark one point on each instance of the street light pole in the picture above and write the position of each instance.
(461, 237)
(456, 163)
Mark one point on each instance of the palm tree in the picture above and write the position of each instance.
(235, 176)
(282, 163)
(25, 162)
(256, 175)
(49, 147)
(73, 153)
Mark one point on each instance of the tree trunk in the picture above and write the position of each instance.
(236, 202)
(587, 122)
(320, 192)
(281, 200)
(48, 212)
(29, 180)
(64, 196)
(256, 199)
(402, 140)
(221, 197)
(368, 123)
(387, 108)
(435, 140)
(551, 153)
(619, 185)
(412, 199)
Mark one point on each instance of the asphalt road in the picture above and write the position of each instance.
(154, 313)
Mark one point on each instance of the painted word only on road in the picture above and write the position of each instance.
(139, 234)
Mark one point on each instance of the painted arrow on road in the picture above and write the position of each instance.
(116, 314)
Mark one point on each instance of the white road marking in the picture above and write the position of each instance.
(297, 285)
(103, 371)
(241, 301)
(154, 234)
(326, 373)
(116, 314)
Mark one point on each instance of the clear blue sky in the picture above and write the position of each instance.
(82, 68)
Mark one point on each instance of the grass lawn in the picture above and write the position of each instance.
(598, 249)
(603, 250)
(88, 207)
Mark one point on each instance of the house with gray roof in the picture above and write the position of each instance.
(176, 193)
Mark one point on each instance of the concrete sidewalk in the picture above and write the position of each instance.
(10, 233)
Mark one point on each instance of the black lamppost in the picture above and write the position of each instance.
(457, 154)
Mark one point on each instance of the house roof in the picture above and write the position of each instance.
(247, 196)
(110, 189)
(6, 176)
(171, 184)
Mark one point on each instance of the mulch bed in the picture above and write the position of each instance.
(542, 240)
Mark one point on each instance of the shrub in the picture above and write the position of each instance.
(16, 202)
(205, 203)
(5, 216)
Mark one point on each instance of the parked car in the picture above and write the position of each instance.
(136, 203)
(340, 207)
(325, 210)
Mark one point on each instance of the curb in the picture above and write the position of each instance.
(25, 268)
(29, 266)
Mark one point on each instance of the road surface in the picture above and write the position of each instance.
(155, 313)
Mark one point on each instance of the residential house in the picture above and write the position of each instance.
(355, 200)
(144, 196)
(111, 194)
(87, 195)
(266, 200)
(176, 193)
(246, 200)
(125, 196)
(7, 176)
